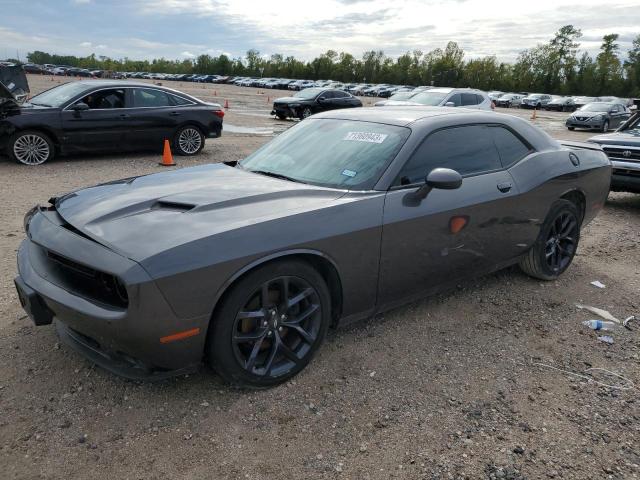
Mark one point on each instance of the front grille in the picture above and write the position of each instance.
(87, 282)
(622, 153)
(582, 119)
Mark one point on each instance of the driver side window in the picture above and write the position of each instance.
(104, 99)
(469, 150)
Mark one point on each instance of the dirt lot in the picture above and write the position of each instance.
(449, 387)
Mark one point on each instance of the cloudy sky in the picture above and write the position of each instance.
(185, 28)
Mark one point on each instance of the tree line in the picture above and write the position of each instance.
(558, 67)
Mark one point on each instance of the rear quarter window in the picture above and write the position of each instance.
(510, 147)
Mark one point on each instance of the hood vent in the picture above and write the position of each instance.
(173, 206)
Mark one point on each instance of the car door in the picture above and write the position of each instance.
(99, 128)
(451, 234)
(153, 117)
(618, 115)
(327, 101)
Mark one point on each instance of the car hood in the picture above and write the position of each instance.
(588, 114)
(14, 87)
(143, 216)
(290, 100)
(402, 102)
(618, 138)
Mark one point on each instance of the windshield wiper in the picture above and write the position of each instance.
(275, 175)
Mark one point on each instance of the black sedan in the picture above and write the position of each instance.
(313, 100)
(561, 104)
(105, 116)
(344, 215)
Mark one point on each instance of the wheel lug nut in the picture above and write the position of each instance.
(279, 329)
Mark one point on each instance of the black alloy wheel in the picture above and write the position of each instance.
(270, 325)
(305, 113)
(557, 243)
(561, 243)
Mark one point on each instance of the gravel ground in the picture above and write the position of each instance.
(450, 387)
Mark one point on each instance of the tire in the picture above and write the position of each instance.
(281, 116)
(563, 221)
(188, 141)
(249, 350)
(571, 128)
(605, 126)
(304, 113)
(30, 147)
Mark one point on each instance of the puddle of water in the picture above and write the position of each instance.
(265, 131)
(227, 127)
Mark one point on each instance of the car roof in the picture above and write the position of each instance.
(396, 115)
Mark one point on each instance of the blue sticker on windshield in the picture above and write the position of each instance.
(349, 173)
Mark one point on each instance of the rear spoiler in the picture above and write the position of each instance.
(580, 145)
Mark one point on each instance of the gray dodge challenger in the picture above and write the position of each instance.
(246, 265)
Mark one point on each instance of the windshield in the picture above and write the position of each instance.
(535, 95)
(331, 153)
(429, 98)
(596, 107)
(308, 93)
(58, 96)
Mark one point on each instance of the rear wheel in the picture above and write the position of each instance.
(553, 251)
(188, 141)
(270, 325)
(30, 147)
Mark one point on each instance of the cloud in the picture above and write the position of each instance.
(180, 28)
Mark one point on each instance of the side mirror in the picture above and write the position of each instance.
(441, 178)
(80, 107)
(449, 104)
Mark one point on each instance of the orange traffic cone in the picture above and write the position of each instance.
(167, 158)
(534, 116)
(226, 104)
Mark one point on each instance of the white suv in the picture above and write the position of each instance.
(447, 97)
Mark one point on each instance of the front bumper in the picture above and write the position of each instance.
(124, 340)
(587, 123)
(625, 176)
(285, 110)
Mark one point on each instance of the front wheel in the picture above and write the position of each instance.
(281, 116)
(553, 251)
(188, 141)
(30, 147)
(305, 112)
(605, 126)
(269, 325)
(571, 128)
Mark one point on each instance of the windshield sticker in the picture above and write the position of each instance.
(349, 173)
(368, 137)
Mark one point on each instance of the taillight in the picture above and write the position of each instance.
(219, 113)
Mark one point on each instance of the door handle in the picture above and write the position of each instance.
(504, 187)
(174, 114)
